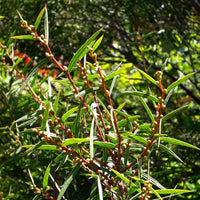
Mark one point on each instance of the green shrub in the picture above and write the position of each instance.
(70, 140)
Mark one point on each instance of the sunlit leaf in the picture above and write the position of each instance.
(32, 148)
(46, 25)
(97, 43)
(124, 122)
(22, 37)
(172, 191)
(41, 147)
(46, 176)
(74, 141)
(79, 54)
(39, 17)
(178, 142)
(126, 180)
(179, 81)
(45, 117)
(55, 105)
(105, 144)
(100, 188)
(148, 77)
(31, 177)
(68, 113)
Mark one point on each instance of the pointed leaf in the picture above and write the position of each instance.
(45, 117)
(74, 141)
(32, 180)
(179, 81)
(172, 191)
(55, 105)
(31, 148)
(100, 188)
(41, 147)
(22, 37)
(124, 122)
(39, 17)
(79, 54)
(148, 77)
(105, 144)
(69, 113)
(69, 179)
(34, 71)
(178, 142)
(147, 109)
(46, 25)
(174, 112)
(46, 176)
(170, 152)
(97, 43)
(126, 180)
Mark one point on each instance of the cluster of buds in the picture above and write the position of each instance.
(42, 191)
(146, 191)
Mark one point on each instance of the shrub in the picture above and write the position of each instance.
(70, 137)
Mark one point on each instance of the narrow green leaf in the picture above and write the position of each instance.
(105, 144)
(31, 177)
(170, 152)
(22, 37)
(138, 138)
(104, 107)
(100, 188)
(45, 117)
(33, 72)
(76, 123)
(41, 147)
(46, 25)
(124, 122)
(174, 112)
(79, 54)
(178, 142)
(22, 103)
(97, 43)
(69, 179)
(39, 17)
(152, 180)
(121, 106)
(147, 109)
(172, 191)
(31, 148)
(10, 39)
(141, 94)
(145, 127)
(116, 72)
(46, 176)
(17, 62)
(126, 180)
(55, 105)
(92, 130)
(68, 113)
(148, 77)
(74, 141)
(156, 193)
(179, 81)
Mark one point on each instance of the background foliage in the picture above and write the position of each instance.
(150, 35)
